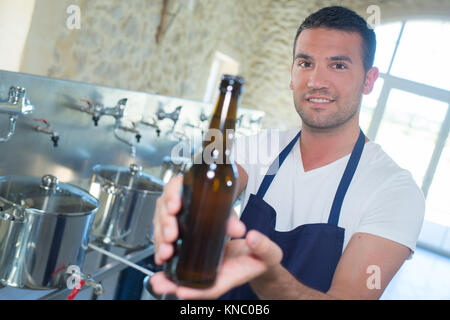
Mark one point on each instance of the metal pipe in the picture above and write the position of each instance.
(120, 259)
(12, 128)
(132, 147)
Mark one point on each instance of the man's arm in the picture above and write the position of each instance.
(356, 275)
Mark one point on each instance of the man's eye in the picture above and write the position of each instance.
(339, 66)
(304, 64)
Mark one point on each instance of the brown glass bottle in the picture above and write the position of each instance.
(209, 190)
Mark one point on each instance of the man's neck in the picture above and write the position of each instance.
(321, 147)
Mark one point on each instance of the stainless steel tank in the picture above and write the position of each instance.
(44, 229)
(127, 199)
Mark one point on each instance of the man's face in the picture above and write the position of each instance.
(328, 77)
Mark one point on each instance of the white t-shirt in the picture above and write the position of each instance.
(382, 199)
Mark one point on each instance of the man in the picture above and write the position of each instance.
(335, 210)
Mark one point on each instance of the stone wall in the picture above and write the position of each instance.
(116, 44)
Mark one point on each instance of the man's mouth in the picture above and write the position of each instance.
(320, 100)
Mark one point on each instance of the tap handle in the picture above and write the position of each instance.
(239, 119)
(203, 116)
(95, 118)
(177, 113)
(55, 140)
(122, 102)
(87, 102)
(121, 105)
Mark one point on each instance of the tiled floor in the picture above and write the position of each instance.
(425, 276)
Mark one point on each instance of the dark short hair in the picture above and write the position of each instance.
(340, 18)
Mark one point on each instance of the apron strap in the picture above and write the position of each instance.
(276, 164)
(346, 179)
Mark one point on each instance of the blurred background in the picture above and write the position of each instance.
(179, 48)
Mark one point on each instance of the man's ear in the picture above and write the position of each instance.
(371, 77)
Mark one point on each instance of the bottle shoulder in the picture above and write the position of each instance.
(225, 171)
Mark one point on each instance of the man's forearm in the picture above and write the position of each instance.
(280, 284)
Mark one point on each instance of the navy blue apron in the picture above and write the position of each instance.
(311, 251)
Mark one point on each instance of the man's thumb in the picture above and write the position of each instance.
(264, 248)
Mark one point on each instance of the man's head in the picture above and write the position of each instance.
(340, 18)
(332, 67)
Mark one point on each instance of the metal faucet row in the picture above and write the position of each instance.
(18, 104)
(99, 110)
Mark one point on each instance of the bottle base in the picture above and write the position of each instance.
(190, 283)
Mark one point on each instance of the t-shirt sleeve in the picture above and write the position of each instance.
(395, 211)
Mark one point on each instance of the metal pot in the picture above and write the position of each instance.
(127, 203)
(44, 229)
(173, 166)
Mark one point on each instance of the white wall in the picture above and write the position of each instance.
(15, 21)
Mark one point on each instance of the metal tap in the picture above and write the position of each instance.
(98, 110)
(117, 112)
(200, 124)
(174, 116)
(85, 280)
(118, 126)
(239, 120)
(203, 117)
(16, 104)
(152, 124)
(256, 121)
(48, 130)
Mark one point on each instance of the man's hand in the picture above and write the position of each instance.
(244, 259)
(165, 228)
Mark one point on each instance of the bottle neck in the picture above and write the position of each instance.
(220, 136)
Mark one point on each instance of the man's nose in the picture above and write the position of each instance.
(318, 78)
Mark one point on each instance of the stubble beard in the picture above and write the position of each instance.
(331, 121)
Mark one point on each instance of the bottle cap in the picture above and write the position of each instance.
(231, 83)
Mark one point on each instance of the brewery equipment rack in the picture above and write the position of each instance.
(103, 273)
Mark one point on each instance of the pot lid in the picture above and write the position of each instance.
(132, 178)
(46, 195)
